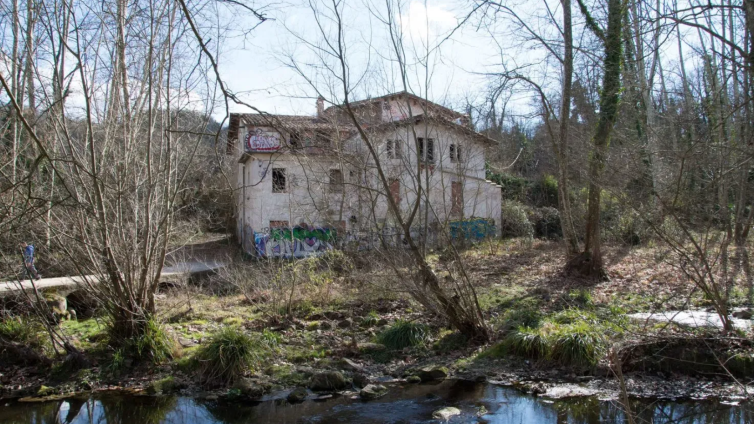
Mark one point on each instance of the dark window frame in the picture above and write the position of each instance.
(279, 180)
(427, 150)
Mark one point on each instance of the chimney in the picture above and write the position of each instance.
(320, 106)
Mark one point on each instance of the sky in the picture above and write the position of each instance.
(256, 68)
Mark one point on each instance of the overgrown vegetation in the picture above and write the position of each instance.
(404, 334)
(228, 355)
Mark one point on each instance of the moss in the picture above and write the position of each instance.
(450, 341)
(162, 386)
(233, 321)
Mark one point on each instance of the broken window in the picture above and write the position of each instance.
(295, 141)
(427, 150)
(278, 180)
(455, 153)
(393, 149)
(336, 181)
(456, 198)
(395, 190)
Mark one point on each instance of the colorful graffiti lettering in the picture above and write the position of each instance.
(262, 141)
(472, 229)
(297, 242)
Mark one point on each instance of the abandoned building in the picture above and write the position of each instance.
(308, 183)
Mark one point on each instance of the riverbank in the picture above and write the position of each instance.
(347, 315)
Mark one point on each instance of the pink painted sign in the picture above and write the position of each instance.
(258, 140)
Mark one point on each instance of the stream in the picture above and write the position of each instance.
(478, 402)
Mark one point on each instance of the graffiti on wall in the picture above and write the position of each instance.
(300, 241)
(472, 229)
(258, 140)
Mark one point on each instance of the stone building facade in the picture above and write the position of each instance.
(306, 184)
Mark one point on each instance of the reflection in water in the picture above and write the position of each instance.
(410, 404)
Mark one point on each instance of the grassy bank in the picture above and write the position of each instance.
(262, 326)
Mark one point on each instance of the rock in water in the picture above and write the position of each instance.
(328, 380)
(299, 394)
(360, 380)
(432, 374)
(249, 388)
(413, 379)
(446, 413)
(373, 391)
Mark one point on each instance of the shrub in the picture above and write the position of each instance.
(544, 192)
(513, 187)
(23, 331)
(514, 220)
(546, 223)
(404, 334)
(577, 344)
(226, 356)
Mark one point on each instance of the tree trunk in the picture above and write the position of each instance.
(561, 150)
(589, 263)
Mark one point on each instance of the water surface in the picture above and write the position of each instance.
(479, 403)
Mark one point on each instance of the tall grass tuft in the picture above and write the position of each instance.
(154, 344)
(404, 334)
(527, 342)
(577, 344)
(226, 357)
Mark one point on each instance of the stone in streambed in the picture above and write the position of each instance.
(329, 380)
(446, 413)
(299, 394)
(373, 391)
(432, 374)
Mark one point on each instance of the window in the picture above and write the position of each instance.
(393, 149)
(456, 198)
(455, 153)
(427, 150)
(295, 141)
(336, 181)
(395, 190)
(278, 180)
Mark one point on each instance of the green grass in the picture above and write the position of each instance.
(571, 337)
(22, 330)
(154, 344)
(404, 334)
(577, 344)
(228, 355)
(527, 342)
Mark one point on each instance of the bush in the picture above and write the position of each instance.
(546, 223)
(227, 356)
(404, 334)
(514, 220)
(23, 331)
(544, 192)
(513, 187)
